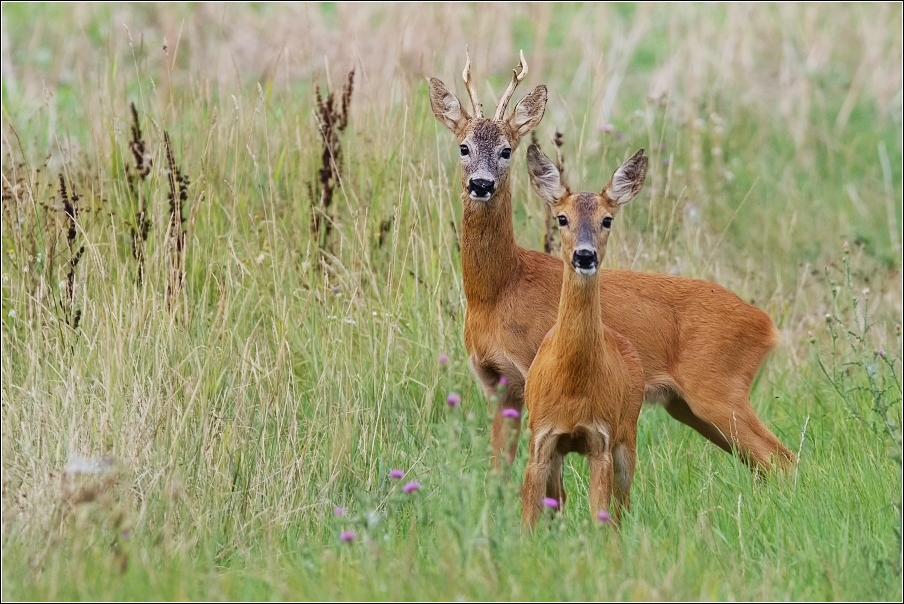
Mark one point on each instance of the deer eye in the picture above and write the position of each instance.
(464, 150)
(562, 220)
(506, 153)
(607, 222)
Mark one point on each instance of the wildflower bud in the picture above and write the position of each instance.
(551, 502)
(453, 399)
(337, 511)
(347, 536)
(396, 474)
(411, 487)
(603, 516)
(511, 413)
(443, 359)
(880, 353)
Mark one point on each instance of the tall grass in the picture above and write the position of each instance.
(190, 434)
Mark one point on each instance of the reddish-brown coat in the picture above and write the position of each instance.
(700, 345)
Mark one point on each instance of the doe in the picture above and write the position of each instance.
(585, 387)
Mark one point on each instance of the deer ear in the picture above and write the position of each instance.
(544, 176)
(628, 180)
(446, 107)
(528, 112)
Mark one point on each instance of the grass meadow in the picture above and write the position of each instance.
(201, 359)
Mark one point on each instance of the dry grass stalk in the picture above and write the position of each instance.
(143, 163)
(71, 211)
(332, 118)
(178, 195)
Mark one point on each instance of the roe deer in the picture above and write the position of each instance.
(585, 388)
(701, 346)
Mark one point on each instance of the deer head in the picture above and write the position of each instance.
(585, 219)
(486, 145)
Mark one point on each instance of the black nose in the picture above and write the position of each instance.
(481, 187)
(584, 259)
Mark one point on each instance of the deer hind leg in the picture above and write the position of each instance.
(601, 472)
(678, 408)
(536, 475)
(728, 420)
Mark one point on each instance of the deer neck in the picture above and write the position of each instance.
(489, 254)
(579, 323)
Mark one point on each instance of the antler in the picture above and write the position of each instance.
(466, 74)
(507, 96)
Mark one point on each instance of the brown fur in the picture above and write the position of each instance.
(700, 345)
(585, 387)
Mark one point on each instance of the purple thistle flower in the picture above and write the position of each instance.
(347, 536)
(453, 399)
(880, 352)
(511, 413)
(551, 502)
(503, 382)
(411, 487)
(337, 511)
(443, 359)
(603, 516)
(396, 474)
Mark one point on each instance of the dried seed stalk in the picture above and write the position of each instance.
(71, 211)
(332, 118)
(143, 163)
(178, 195)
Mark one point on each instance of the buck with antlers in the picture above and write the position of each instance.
(701, 346)
(584, 389)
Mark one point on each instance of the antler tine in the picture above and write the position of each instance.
(507, 96)
(469, 83)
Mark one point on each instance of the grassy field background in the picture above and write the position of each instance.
(170, 437)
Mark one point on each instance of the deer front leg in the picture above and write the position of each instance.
(505, 394)
(601, 475)
(507, 422)
(536, 476)
(625, 459)
(555, 485)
